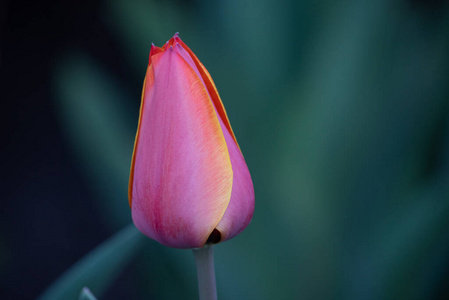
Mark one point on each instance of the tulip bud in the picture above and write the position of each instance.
(189, 183)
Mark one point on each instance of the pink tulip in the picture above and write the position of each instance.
(189, 183)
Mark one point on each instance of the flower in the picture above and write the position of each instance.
(189, 183)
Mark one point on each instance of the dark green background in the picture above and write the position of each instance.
(341, 109)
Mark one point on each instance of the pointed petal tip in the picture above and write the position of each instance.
(175, 39)
(154, 50)
(171, 42)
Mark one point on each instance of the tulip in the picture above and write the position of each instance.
(189, 184)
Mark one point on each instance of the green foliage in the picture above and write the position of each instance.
(96, 119)
(98, 269)
(341, 110)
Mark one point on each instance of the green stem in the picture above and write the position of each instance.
(204, 258)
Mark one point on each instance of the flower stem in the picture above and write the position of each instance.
(204, 258)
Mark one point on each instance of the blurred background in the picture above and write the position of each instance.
(341, 109)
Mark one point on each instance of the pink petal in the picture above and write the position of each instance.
(182, 173)
(241, 206)
(210, 85)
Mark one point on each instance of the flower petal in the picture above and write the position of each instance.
(241, 206)
(148, 83)
(210, 85)
(182, 179)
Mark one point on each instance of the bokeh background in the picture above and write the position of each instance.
(341, 109)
